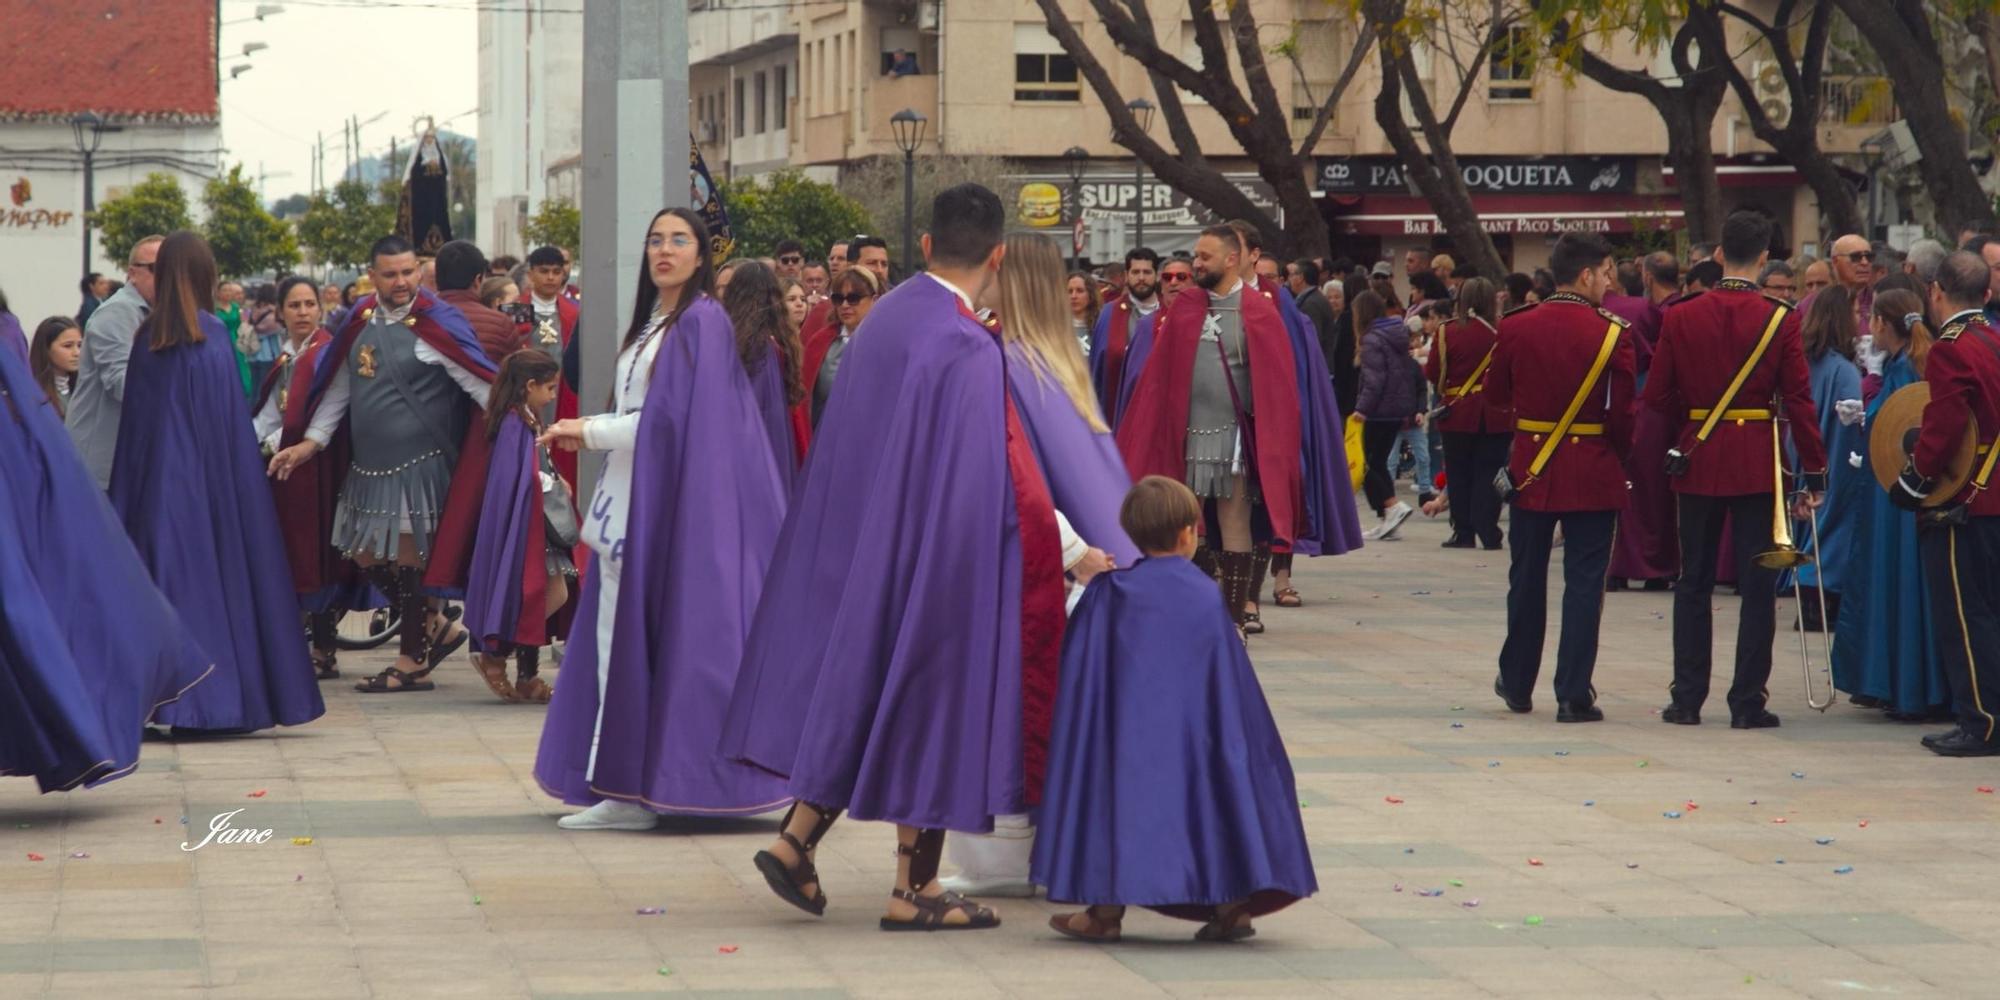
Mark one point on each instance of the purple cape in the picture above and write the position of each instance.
(1333, 526)
(707, 500)
(88, 647)
(769, 387)
(509, 555)
(12, 338)
(1135, 362)
(1085, 475)
(1169, 786)
(189, 485)
(884, 670)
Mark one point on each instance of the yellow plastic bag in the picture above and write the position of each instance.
(1357, 458)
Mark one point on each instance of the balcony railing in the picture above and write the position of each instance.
(1857, 100)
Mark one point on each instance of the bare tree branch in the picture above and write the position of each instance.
(1256, 73)
(1325, 114)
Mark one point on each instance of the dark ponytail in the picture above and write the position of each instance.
(510, 386)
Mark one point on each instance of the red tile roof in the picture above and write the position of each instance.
(147, 60)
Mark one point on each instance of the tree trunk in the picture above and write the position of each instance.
(1441, 183)
(1901, 35)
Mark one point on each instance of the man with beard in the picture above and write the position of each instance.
(403, 381)
(1222, 358)
(1111, 338)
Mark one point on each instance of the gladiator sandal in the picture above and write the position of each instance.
(1260, 564)
(1204, 560)
(528, 684)
(788, 881)
(320, 637)
(931, 912)
(413, 633)
(1235, 568)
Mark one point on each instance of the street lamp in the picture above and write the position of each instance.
(1142, 112)
(88, 130)
(1075, 158)
(908, 124)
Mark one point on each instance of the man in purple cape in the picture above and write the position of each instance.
(902, 662)
(89, 648)
(707, 500)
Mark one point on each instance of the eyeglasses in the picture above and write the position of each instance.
(1175, 277)
(1778, 286)
(848, 299)
(679, 241)
(1859, 256)
(791, 258)
(136, 266)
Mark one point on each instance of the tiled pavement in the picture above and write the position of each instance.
(435, 867)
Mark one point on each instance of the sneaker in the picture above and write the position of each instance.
(1394, 519)
(611, 814)
(988, 885)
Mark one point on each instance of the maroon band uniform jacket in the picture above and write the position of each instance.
(1545, 353)
(1461, 345)
(1964, 376)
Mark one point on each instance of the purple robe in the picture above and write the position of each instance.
(189, 485)
(1135, 362)
(884, 673)
(510, 550)
(12, 339)
(1169, 786)
(89, 648)
(1333, 525)
(1085, 475)
(707, 501)
(769, 387)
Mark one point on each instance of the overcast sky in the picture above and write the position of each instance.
(329, 59)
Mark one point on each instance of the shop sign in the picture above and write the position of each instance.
(1486, 174)
(21, 214)
(1040, 200)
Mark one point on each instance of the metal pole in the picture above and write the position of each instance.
(89, 204)
(1076, 202)
(1138, 201)
(909, 213)
(635, 162)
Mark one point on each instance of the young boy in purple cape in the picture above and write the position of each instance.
(89, 648)
(521, 569)
(902, 662)
(189, 484)
(1169, 786)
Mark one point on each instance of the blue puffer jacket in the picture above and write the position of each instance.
(1389, 375)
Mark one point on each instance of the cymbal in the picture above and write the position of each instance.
(1900, 413)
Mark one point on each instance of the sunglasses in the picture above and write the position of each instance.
(848, 298)
(1859, 256)
(1173, 278)
(791, 258)
(139, 267)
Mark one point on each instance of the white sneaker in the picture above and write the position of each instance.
(988, 885)
(611, 814)
(1393, 520)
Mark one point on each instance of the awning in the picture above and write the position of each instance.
(1515, 215)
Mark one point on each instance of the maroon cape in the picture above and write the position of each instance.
(567, 311)
(1153, 433)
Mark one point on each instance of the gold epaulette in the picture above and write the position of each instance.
(1519, 309)
(1952, 330)
(1613, 317)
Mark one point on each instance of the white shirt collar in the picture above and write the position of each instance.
(955, 290)
(543, 305)
(1961, 314)
(1145, 308)
(389, 315)
(1232, 290)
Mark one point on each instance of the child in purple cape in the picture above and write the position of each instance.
(1168, 785)
(521, 565)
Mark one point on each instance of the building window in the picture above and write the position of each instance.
(784, 95)
(763, 102)
(1511, 71)
(1042, 71)
(740, 108)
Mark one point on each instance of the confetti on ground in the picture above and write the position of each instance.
(475, 901)
(1823, 841)
(1399, 887)
(1562, 753)
(1392, 800)
(1532, 921)
(1590, 802)
(1458, 708)
(22, 826)
(1672, 814)
(727, 949)
(1430, 892)
(298, 878)
(1642, 763)
(1492, 763)
(258, 794)
(1778, 819)
(1985, 789)
(1470, 903)
(1779, 861)
(1419, 593)
(1409, 850)
(1631, 864)
(1691, 805)
(1458, 725)
(664, 971)
(1798, 774)
(1843, 870)
(302, 841)
(1535, 862)
(1303, 805)
(35, 857)
(1457, 883)
(79, 854)
(156, 821)
(649, 911)
(1864, 824)
(1753, 802)
(184, 821)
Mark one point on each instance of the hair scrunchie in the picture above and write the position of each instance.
(1910, 320)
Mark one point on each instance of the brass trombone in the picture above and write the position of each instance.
(1785, 555)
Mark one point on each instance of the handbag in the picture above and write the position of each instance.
(1503, 482)
(558, 513)
(1677, 460)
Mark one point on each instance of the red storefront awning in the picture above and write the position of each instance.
(1515, 215)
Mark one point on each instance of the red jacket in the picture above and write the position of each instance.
(1964, 376)
(1544, 354)
(498, 336)
(1703, 341)
(1460, 346)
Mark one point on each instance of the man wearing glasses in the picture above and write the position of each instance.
(1854, 268)
(1778, 281)
(791, 258)
(98, 398)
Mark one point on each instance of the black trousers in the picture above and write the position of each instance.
(1471, 460)
(1587, 537)
(1959, 565)
(1377, 438)
(1694, 620)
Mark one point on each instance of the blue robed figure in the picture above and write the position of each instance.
(1834, 377)
(1884, 653)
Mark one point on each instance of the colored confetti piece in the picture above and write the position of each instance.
(1691, 805)
(1458, 708)
(1844, 870)
(1779, 861)
(258, 794)
(156, 821)
(649, 911)
(1398, 887)
(1430, 892)
(1590, 802)
(79, 855)
(1864, 824)
(1470, 904)
(298, 878)
(1535, 862)
(476, 901)
(1392, 800)
(1492, 763)
(1457, 883)
(22, 826)
(1562, 753)
(1823, 841)
(1631, 864)
(1778, 819)
(1985, 789)
(35, 857)
(664, 971)
(1642, 763)
(727, 949)
(1409, 850)
(302, 841)
(1532, 921)
(1458, 725)
(1798, 774)
(1672, 814)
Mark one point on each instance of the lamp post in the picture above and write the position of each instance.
(1142, 112)
(88, 130)
(908, 125)
(1075, 158)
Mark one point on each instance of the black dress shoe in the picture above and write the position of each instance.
(1759, 719)
(1522, 707)
(1933, 739)
(1493, 547)
(1658, 585)
(1680, 716)
(1579, 712)
(1457, 542)
(1960, 743)
(1614, 584)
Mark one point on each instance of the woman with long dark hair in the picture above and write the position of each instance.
(769, 349)
(188, 482)
(681, 528)
(54, 355)
(1829, 332)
